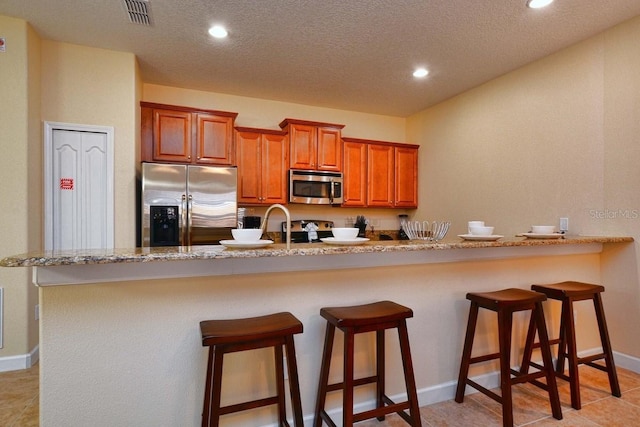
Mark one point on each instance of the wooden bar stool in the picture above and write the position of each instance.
(228, 336)
(568, 293)
(505, 302)
(377, 317)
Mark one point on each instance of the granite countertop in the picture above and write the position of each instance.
(142, 255)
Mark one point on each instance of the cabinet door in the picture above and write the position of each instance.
(274, 168)
(329, 149)
(303, 145)
(406, 177)
(171, 136)
(380, 175)
(355, 174)
(249, 166)
(214, 139)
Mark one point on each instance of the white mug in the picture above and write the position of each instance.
(474, 224)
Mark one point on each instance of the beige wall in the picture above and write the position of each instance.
(267, 114)
(20, 167)
(557, 138)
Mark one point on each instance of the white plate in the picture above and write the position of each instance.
(246, 245)
(481, 238)
(542, 236)
(334, 241)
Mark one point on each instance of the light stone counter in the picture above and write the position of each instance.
(91, 266)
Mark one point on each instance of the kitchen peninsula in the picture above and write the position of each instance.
(120, 341)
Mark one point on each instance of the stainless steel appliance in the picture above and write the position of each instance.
(187, 205)
(302, 230)
(315, 187)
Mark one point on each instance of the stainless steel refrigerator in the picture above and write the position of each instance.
(187, 205)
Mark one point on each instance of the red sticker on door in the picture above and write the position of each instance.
(66, 183)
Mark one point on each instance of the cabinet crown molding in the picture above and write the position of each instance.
(187, 109)
(288, 121)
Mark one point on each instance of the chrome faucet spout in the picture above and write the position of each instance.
(263, 227)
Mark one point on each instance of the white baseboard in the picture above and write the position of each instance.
(21, 361)
(627, 362)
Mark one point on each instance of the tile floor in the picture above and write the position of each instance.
(19, 404)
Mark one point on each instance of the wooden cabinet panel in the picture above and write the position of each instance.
(355, 174)
(406, 177)
(274, 168)
(214, 139)
(172, 136)
(314, 145)
(380, 175)
(262, 166)
(303, 145)
(249, 166)
(329, 151)
(183, 135)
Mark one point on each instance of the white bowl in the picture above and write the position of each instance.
(543, 229)
(478, 230)
(345, 233)
(246, 234)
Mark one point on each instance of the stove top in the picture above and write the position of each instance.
(300, 228)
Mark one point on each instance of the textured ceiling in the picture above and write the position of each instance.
(346, 54)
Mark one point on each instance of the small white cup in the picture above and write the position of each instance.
(543, 229)
(345, 233)
(481, 230)
(246, 234)
(474, 224)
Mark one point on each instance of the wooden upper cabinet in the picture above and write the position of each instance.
(184, 135)
(314, 145)
(262, 156)
(406, 176)
(355, 174)
(380, 174)
(303, 146)
(329, 151)
(172, 136)
(214, 139)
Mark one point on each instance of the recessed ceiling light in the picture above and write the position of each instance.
(218, 31)
(537, 4)
(421, 72)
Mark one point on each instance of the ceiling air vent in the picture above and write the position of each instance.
(139, 11)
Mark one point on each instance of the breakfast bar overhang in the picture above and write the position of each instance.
(120, 343)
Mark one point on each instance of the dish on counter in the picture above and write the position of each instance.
(542, 236)
(490, 238)
(245, 245)
(345, 242)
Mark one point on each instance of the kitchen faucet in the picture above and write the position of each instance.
(263, 227)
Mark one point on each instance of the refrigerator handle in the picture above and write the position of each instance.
(183, 221)
(189, 222)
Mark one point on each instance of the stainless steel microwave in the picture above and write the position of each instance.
(315, 187)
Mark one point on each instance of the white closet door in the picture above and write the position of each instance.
(80, 212)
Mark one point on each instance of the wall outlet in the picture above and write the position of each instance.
(564, 224)
(37, 312)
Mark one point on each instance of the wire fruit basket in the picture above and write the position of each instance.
(425, 230)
